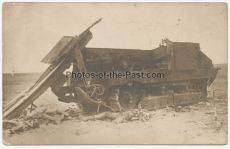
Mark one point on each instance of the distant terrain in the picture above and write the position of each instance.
(15, 83)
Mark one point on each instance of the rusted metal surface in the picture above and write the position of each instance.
(101, 59)
(186, 56)
(170, 52)
(157, 102)
(205, 62)
(188, 98)
(159, 53)
(169, 76)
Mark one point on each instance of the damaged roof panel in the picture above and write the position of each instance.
(57, 50)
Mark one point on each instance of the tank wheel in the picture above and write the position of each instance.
(127, 101)
(128, 97)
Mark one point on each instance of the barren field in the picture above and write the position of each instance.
(193, 125)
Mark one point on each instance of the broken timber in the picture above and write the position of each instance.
(59, 58)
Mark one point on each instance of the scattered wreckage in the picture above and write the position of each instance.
(186, 70)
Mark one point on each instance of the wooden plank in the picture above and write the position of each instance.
(36, 91)
(46, 80)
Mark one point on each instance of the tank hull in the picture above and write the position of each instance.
(179, 74)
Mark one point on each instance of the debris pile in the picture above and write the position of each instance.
(55, 114)
(43, 116)
(121, 117)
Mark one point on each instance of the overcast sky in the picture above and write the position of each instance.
(31, 30)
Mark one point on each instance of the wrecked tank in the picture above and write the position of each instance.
(175, 73)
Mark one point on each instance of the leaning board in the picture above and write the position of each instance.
(61, 59)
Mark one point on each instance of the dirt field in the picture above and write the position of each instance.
(195, 126)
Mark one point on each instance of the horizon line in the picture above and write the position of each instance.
(43, 71)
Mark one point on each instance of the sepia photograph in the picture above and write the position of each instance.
(129, 73)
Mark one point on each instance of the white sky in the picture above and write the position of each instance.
(31, 30)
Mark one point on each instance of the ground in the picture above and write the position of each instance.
(194, 126)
